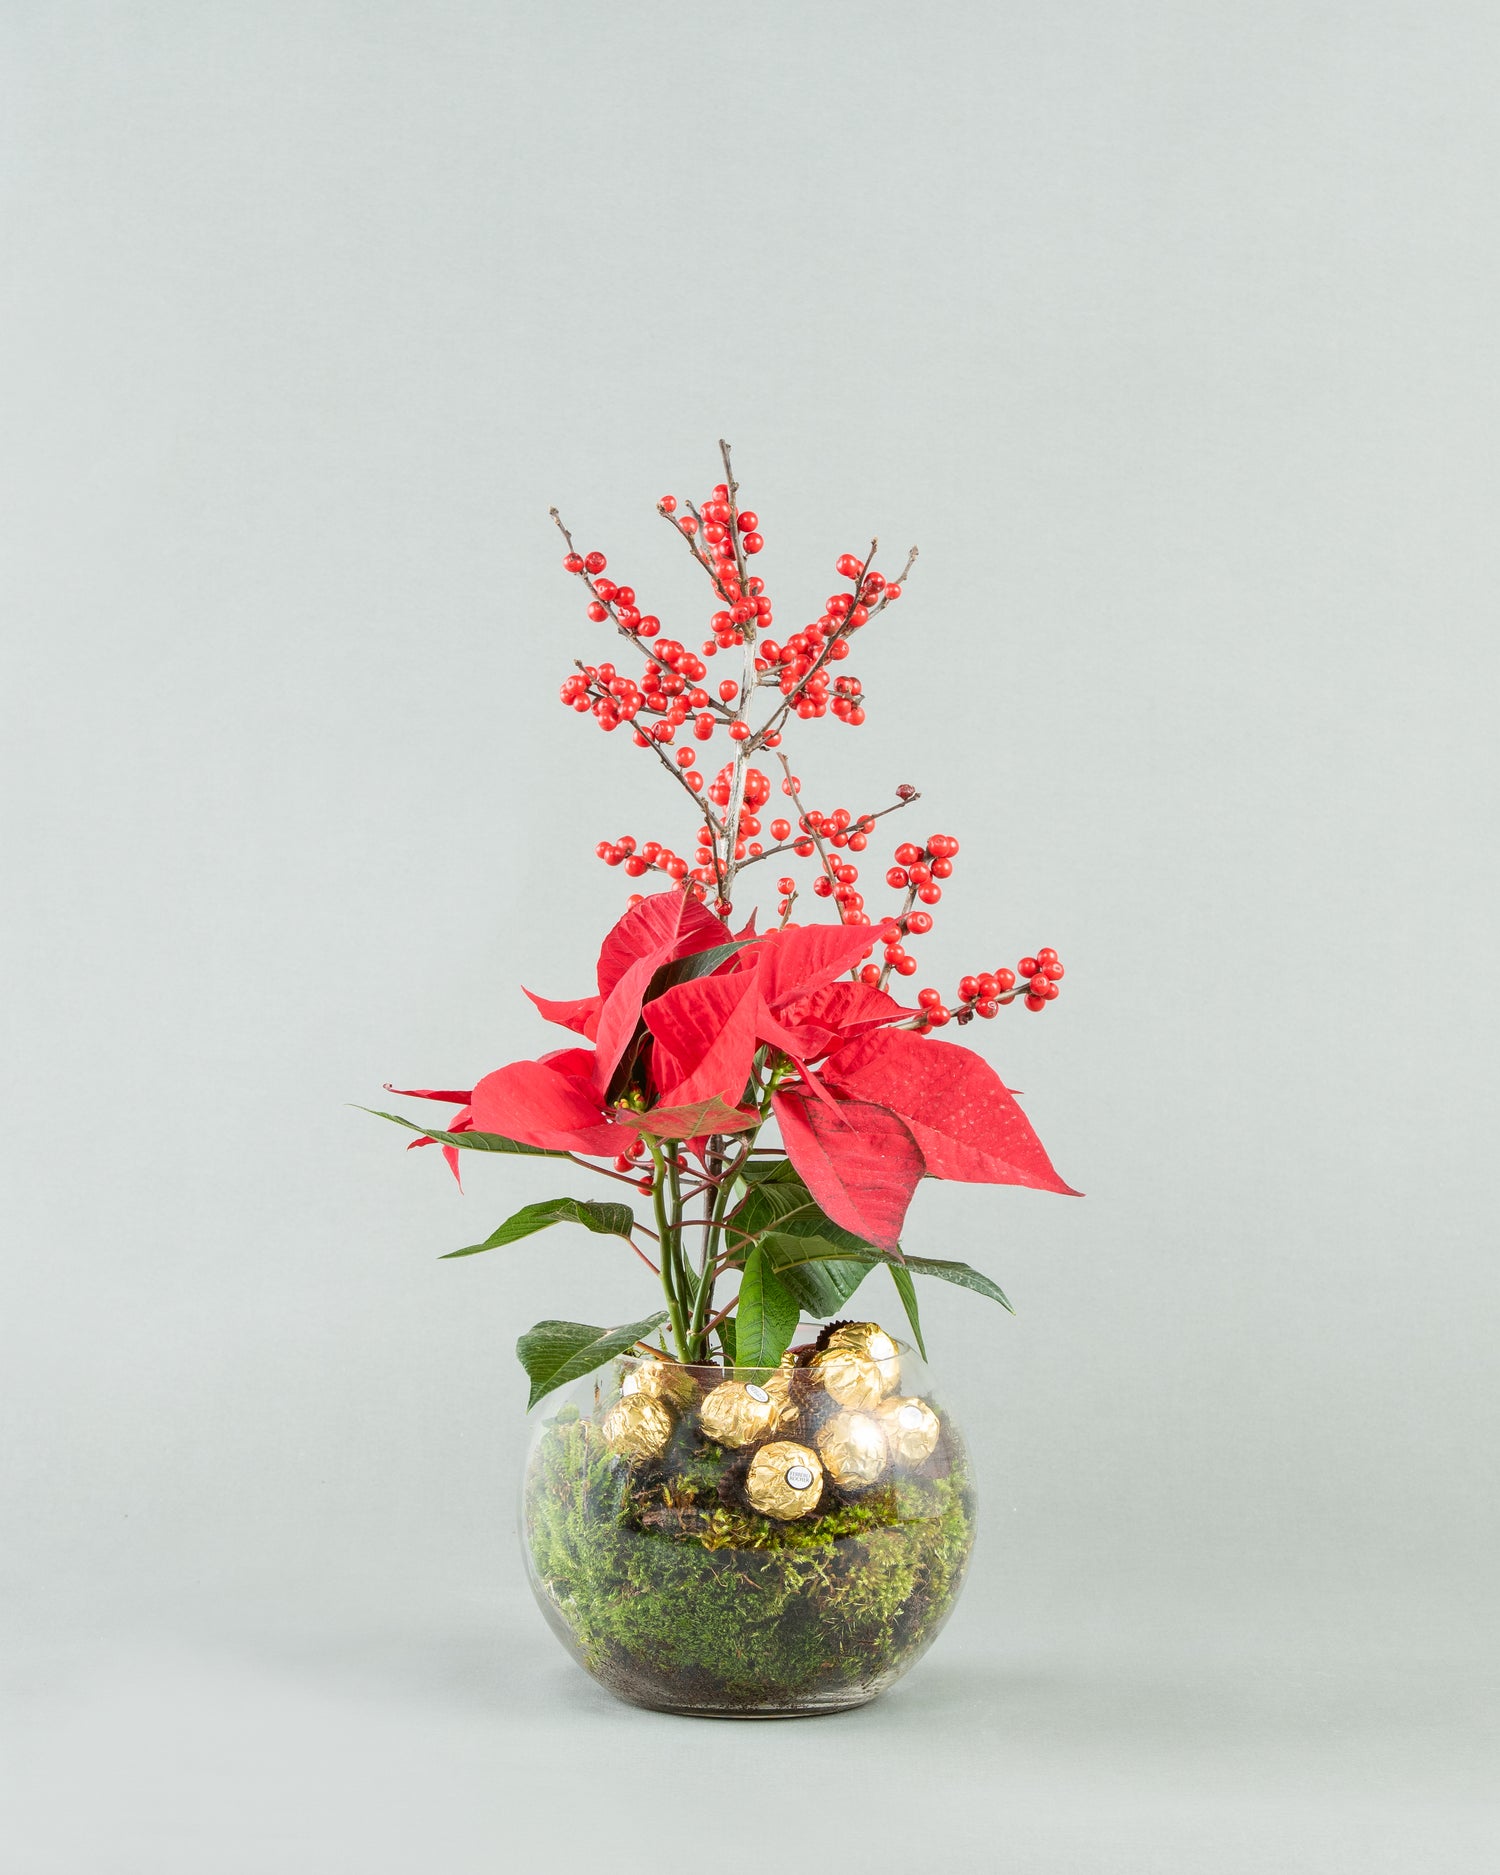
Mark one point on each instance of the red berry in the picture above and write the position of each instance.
(1027, 966)
(752, 543)
(739, 730)
(1005, 980)
(937, 1017)
(850, 566)
(1053, 971)
(929, 894)
(907, 854)
(597, 612)
(929, 999)
(968, 989)
(595, 562)
(780, 829)
(1046, 955)
(896, 877)
(906, 966)
(786, 886)
(1036, 1002)
(685, 758)
(942, 868)
(668, 504)
(919, 923)
(986, 1008)
(893, 591)
(573, 562)
(729, 690)
(747, 521)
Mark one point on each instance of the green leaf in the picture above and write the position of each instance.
(906, 1289)
(608, 1220)
(725, 1332)
(962, 1275)
(823, 1286)
(766, 1316)
(469, 1142)
(553, 1353)
(696, 964)
(820, 1274)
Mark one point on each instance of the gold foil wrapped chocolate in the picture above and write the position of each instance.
(737, 1412)
(785, 1480)
(854, 1448)
(660, 1380)
(854, 1379)
(637, 1426)
(911, 1427)
(779, 1386)
(845, 1364)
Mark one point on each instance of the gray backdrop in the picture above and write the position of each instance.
(1169, 331)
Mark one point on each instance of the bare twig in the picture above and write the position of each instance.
(789, 846)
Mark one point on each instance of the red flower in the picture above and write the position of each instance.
(905, 1106)
(561, 1101)
(872, 1108)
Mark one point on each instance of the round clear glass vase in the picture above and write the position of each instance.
(748, 1543)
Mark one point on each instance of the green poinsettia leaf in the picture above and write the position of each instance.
(766, 1315)
(962, 1275)
(467, 1142)
(907, 1290)
(553, 1353)
(820, 1273)
(697, 964)
(608, 1220)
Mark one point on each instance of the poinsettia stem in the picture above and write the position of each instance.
(671, 1250)
(603, 1171)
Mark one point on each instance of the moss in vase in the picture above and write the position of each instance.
(663, 1586)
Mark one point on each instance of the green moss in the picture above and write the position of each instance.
(673, 1594)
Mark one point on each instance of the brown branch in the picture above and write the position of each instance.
(809, 832)
(789, 846)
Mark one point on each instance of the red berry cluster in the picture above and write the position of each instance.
(1035, 979)
(671, 703)
(651, 857)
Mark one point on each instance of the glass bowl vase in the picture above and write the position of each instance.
(751, 1543)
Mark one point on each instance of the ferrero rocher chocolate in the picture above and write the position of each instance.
(912, 1428)
(637, 1426)
(854, 1449)
(660, 1380)
(854, 1380)
(737, 1412)
(865, 1341)
(785, 1480)
(779, 1386)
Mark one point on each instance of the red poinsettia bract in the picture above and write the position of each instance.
(866, 1108)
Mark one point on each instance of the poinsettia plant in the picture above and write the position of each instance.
(706, 1041)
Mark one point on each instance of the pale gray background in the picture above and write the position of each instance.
(1170, 332)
